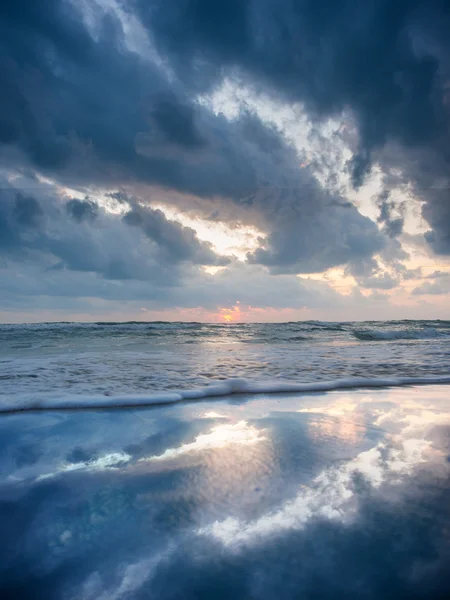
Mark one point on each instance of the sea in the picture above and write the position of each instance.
(190, 461)
(90, 364)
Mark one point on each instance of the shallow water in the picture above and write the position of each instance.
(337, 495)
(55, 361)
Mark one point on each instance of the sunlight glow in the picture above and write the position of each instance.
(231, 314)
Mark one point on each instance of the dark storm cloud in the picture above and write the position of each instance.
(306, 237)
(436, 211)
(53, 233)
(329, 55)
(82, 210)
(91, 110)
(387, 62)
(392, 223)
(176, 242)
(27, 210)
(84, 108)
(188, 287)
(20, 218)
(19, 215)
(176, 121)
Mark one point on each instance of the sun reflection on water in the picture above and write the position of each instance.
(342, 419)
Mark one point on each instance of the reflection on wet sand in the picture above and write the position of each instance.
(333, 494)
(220, 436)
(151, 502)
(342, 419)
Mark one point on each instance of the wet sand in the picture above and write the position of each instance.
(340, 494)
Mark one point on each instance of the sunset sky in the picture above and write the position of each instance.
(235, 160)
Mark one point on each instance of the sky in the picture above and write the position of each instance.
(235, 160)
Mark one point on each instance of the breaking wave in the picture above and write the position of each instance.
(399, 334)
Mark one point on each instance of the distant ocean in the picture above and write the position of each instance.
(106, 364)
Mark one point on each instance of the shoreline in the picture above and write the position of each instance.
(234, 388)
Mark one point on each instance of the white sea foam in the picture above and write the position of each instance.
(226, 388)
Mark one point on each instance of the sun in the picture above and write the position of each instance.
(230, 314)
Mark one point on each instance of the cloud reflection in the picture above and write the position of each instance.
(220, 436)
(334, 494)
(114, 460)
(133, 578)
(331, 495)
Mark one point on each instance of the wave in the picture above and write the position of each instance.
(261, 339)
(397, 334)
(325, 325)
(225, 388)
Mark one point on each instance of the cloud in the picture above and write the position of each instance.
(176, 242)
(440, 286)
(55, 259)
(56, 253)
(381, 282)
(438, 275)
(82, 210)
(363, 57)
(171, 287)
(392, 223)
(27, 210)
(386, 64)
(86, 109)
(436, 211)
(423, 172)
(175, 122)
(308, 238)
(51, 233)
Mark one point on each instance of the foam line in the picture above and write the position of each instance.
(226, 388)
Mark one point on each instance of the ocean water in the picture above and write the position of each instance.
(102, 364)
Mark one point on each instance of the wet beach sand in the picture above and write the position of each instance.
(343, 494)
